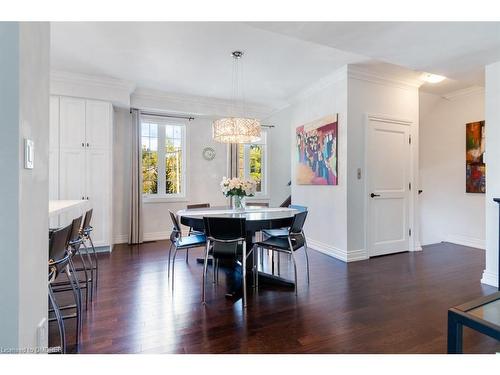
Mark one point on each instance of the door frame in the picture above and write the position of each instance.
(412, 243)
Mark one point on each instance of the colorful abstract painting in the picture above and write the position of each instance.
(317, 152)
(475, 181)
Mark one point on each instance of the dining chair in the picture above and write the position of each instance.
(226, 239)
(281, 232)
(195, 229)
(294, 241)
(180, 242)
(59, 261)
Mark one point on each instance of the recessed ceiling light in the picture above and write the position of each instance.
(432, 78)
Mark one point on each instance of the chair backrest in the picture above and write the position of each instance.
(257, 204)
(198, 205)
(176, 229)
(74, 236)
(298, 222)
(225, 229)
(58, 244)
(86, 221)
(297, 207)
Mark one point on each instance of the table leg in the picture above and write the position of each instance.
(455, 331)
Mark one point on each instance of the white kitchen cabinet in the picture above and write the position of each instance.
(83, 162)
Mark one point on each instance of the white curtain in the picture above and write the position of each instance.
(136, 230)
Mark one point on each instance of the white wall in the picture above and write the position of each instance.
(27, 48)
(492, 117)
(447, 212)
(326, 223)
(203, 178)
(372, 96)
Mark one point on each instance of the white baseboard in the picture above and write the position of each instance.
(489, 278)
(466, 241)
(120, 238)
(337, 253)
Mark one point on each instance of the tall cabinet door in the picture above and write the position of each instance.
(72, 123)
(98, 192)
(97, 121)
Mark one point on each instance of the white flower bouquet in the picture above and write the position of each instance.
(238, 187)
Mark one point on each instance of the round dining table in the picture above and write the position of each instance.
(257, 219)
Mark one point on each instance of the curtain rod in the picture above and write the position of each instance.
(189, 118)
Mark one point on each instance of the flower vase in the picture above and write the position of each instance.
(238, 203)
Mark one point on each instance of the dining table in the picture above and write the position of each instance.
(257, 219)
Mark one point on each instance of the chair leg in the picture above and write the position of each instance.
(272, 262)
(86, 279)
(60, 322)
(78, 289)
(95, 260)
(307, 257)
(91, 271)
(173, 267)
(295, 272)
(187, 255)
(70, 275)
(279, 263)
(255, 268)
(168, 263)
(205, 263)
(244, 273)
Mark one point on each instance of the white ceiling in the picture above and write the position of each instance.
(458, 50)
(280, 58)
(194, 58)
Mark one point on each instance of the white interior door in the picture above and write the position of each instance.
(54, 155)
(388, 163)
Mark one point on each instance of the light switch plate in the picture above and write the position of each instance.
(29, 153)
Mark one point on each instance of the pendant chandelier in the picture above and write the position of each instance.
(236, 129)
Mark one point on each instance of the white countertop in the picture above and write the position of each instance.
(57, 207)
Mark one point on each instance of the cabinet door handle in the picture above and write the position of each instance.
(88, 145)
(83, 198)
(87, 198)
(373, 195)
(83, 144)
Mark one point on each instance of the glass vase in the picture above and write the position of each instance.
(238, 202)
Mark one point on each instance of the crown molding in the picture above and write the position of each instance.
(463, 92)
(151, 99)
(364, 74)
(322, 83)
(90, 86)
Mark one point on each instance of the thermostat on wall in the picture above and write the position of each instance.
(29, 153)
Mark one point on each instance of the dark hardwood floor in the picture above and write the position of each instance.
(390, 304)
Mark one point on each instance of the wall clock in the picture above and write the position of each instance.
(208, 153)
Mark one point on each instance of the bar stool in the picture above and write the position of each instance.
(85, 233)
(58, 261)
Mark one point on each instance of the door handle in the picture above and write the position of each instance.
(373, 195)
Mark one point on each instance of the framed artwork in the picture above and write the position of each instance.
(317, 152)
(475, 177)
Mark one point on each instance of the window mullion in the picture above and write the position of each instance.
(161, 160)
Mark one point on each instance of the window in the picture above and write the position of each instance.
(163, 158)
(252, 163)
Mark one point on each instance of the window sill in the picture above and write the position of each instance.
(163, 199)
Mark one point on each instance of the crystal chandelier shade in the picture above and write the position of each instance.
(236, 129)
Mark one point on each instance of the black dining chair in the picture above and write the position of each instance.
(226, 239)
(58, 261)
(294, 241)
(195, 229)
(179, 242)
(282, 232)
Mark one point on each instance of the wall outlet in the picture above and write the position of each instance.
(42, 338)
